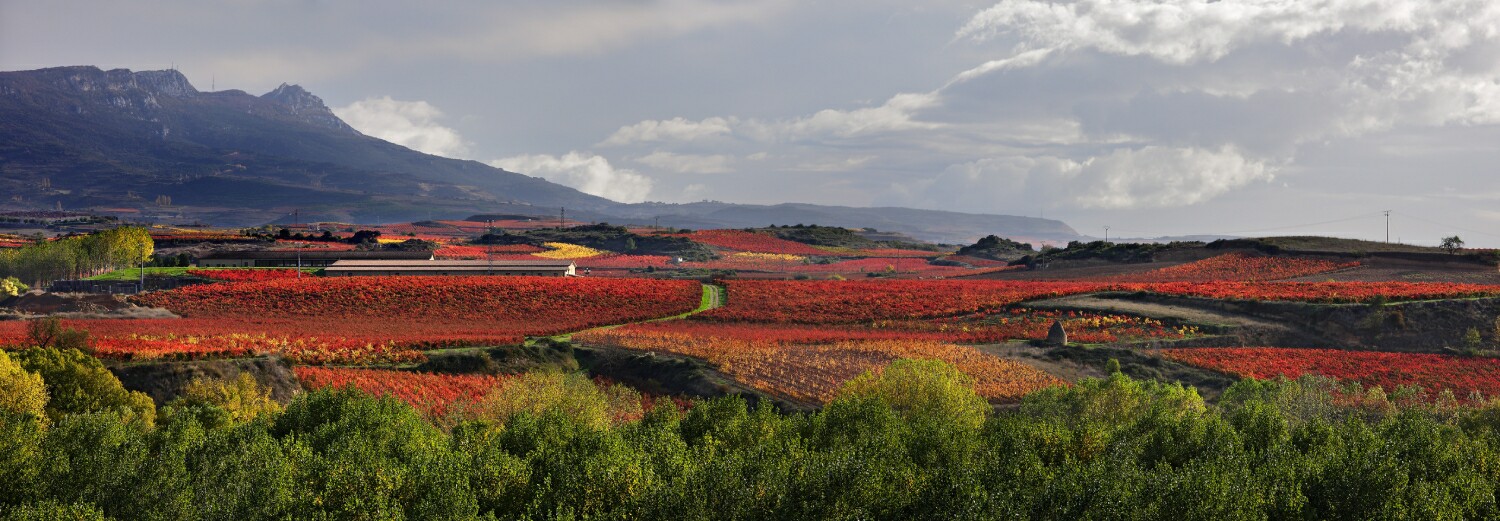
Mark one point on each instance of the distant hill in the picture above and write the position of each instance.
(150, 145)
(929, 225)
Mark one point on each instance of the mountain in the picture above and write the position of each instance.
(85, 137)
(150, 144)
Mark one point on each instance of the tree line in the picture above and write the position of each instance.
(77, 256)
(913, 442)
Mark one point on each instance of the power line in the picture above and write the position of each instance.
(1307, 225)
(1445, 225)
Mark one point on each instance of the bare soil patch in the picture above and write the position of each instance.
(1381, 269)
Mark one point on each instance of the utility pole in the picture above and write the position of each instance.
(1387, 226)
(562, 216)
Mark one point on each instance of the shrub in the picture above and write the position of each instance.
(78, 383)
(1472, 340)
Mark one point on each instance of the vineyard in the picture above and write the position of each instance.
(1324, 292)
(244, 275)
(1240, 267)
(432, 394)
(743, 241)
(853, 302)
(1015, 324)
(814, 372)
(373, 319)
(1463, 376)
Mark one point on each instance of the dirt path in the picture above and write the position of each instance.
(1185, 314)
(713, 297)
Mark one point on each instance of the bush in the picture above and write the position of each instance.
(1472, 340)
(78, 383)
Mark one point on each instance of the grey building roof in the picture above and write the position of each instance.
(319, 255)
(448, 265)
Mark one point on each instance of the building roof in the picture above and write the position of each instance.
(319, 255)
(451, 264)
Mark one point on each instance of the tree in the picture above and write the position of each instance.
(21, 391)
(930, 389)
(1452, 244)
(572, 395)
(48, 332)
(11, 286)
(78, 383)
(364, 236)
(241, 399)
(54, 511)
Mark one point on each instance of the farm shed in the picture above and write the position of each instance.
(539, 268)
(304, 258)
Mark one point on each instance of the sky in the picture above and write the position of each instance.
(1150, 117)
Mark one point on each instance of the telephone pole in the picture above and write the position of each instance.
(1387, 226)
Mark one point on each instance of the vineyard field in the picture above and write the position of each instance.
(814, 373)
(1432, 372)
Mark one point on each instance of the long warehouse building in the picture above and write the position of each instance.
(538, 268)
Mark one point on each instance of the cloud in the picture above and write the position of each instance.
(687, 163)
(412, 124)
(1186, 31)
(1394, 61)
(1164, 177)
(675, 129)
(588, 173)
(1122, 178)
(1118, 104)
(896, 114)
